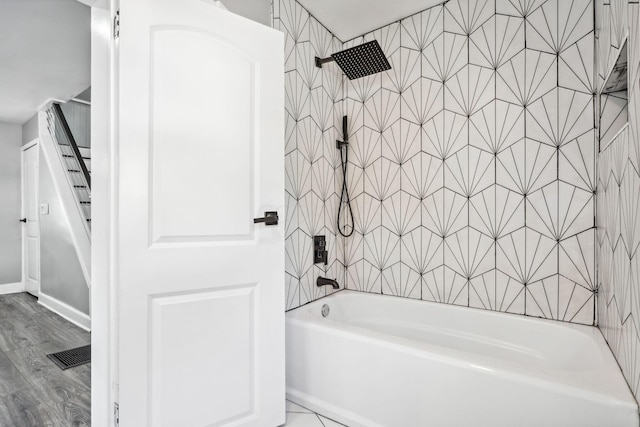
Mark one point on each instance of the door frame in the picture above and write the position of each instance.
(104, 155)
(31, 144)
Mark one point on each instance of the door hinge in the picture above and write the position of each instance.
(116, 25)
(116, 414)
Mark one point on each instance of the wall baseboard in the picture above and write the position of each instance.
(74, 316)
(11, 288)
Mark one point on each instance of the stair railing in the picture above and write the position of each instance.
(78, 173)
(68, 136)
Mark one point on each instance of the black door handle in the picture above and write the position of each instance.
(270, 218)
(23, 220)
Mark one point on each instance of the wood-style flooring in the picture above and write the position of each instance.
(34, 391)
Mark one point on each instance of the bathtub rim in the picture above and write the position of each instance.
(452, 357)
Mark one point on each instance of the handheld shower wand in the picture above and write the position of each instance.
(343, 146)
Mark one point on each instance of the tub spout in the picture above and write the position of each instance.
(323, 281)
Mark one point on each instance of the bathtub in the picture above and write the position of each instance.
(393, 362)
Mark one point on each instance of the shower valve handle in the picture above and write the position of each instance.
(270, 218)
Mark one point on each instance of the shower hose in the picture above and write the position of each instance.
(344, 195)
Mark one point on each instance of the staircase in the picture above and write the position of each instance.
(76, 159)
(70, 169)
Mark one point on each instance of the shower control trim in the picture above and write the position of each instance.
(269, 218)
(320, 250)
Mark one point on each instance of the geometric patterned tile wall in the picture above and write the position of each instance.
(472, 162)
(618, 206)
(313, 99)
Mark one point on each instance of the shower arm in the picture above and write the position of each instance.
(320, 61)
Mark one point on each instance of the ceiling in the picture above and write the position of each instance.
(45, 49)
(257, 10)
(45, 52)
(348, 19)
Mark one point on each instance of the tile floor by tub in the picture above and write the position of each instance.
(297, 416)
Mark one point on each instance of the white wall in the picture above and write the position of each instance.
(10, 200)
(85, 95)
(78, 118)
(30, 129)
(618, 208)
(257, 10)
(45, 53)
(61, 276)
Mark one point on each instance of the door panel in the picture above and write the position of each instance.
(200, 286)
(230, 347)
(33, 252)
(225, 95)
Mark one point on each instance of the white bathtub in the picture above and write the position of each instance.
(385, 361)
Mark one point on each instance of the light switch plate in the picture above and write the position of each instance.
(44, 209)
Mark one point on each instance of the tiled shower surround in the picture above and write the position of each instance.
(313, 100)
(618, 204)
(472, 171)
(471, 163)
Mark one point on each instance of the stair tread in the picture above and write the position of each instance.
(70, 156)
(79, 146)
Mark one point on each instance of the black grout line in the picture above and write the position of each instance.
(526, 22)
(468, 108)
(557, 155)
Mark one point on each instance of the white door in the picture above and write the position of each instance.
(200, 286)
(30, 218)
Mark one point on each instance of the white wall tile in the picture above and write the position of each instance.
(451, 191)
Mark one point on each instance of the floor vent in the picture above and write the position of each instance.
(71, 358)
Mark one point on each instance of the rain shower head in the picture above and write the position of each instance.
(359, 61)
